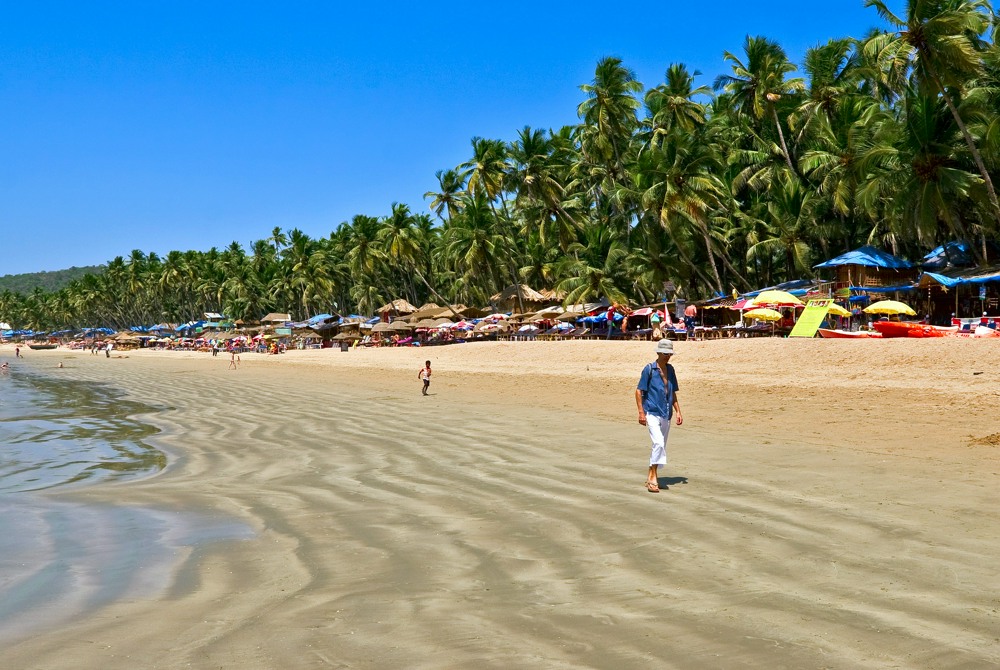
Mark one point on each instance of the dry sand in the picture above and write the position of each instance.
(831, 504)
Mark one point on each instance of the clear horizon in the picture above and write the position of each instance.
(184, 126)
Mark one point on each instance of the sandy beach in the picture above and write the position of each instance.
(827, 504)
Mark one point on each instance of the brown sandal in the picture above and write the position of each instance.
(652, 487)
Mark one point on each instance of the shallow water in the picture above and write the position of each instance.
(60, 560)
(57, 433)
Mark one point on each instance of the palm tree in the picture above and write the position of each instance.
(918, 175)
(671, 105)
(595, 269)
(793, 212)
(609, 113)
(401, 244)
(487, 169)
(451, 185)
(945, 36)
(759, 84)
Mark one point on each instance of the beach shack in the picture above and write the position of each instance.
(523, 298)
(868, 271)
(396, 309)
(962, 295)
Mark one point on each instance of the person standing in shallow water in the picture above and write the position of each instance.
(425, 375)
(656, 400)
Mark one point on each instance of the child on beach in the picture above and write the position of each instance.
(425, 375)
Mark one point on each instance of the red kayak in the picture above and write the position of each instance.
(848, 334)
(912, 329)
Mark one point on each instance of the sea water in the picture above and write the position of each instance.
(60, 558)
(59, 433)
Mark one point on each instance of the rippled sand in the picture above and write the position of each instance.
(830, 504)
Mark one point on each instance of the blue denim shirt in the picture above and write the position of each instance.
(656, 399)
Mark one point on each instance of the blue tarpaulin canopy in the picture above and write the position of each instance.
(957, 253)
(987, 276)
(868, 256)
(795, 287)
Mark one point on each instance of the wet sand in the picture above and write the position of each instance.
(828, 504)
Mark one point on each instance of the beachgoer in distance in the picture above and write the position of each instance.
(17, 352)
(5, 366)
(234, 360)
(690, 314)
(425, 375)
(656, 400)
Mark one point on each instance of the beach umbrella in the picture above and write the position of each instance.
(381, 327)
(763, 314)
(889, 307)
(837, 310)
(400, 326)
(774, 298)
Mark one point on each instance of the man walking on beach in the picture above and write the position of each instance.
(425, 375)
(656, 400)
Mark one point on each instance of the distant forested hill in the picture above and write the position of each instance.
(47, 281)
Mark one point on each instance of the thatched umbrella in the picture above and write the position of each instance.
(399, 306)
(400, 326)
(382, 327)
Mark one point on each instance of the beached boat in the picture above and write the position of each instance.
(848, 334)
(42, 346)
(912, 329)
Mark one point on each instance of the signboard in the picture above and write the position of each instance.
(282, 331)
(811, 318)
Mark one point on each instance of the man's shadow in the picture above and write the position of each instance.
(663, 482)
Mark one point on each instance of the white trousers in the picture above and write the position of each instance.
(659, 428)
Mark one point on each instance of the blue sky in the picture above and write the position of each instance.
(183, 125)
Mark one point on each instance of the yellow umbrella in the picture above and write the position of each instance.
(837, 310)
(763, 314)
(771, 298)
(889, 307)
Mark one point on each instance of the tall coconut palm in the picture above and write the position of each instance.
(672, 105)
(919, 175)
(759, 84)
(609, 113)
(451, 187)
(402, 246)
(946, 38)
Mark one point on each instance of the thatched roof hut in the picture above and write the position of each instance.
(530, 300)
(397, 307)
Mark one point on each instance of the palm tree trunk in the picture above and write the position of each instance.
(711, 260)
(972, 146)
(781, 136)
(436, 294)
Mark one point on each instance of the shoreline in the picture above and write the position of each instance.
(825, 518)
